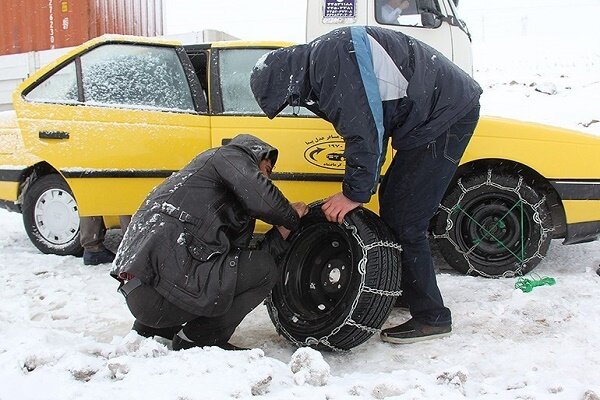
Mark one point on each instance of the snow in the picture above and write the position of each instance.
(7, 118)
(65, 334)
(261, 64)
(65, 330)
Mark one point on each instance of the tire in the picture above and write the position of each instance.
(493, 224)
(330, 295)
(51, 217)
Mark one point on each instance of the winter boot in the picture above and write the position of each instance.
(181, 342)
(98, 257)
(147, 331)
(413, 331)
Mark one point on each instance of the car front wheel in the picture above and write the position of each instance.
(51, 217)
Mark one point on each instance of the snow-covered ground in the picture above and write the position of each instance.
(65, 335)
(64, 330)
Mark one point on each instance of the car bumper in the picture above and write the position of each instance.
(582, 232)
(9, 188)
(581, 201)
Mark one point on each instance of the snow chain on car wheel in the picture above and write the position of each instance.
(493, 224)
(338, 282)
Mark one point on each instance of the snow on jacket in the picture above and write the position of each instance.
(185, 238)
(371, 84)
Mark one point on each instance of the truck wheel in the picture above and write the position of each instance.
(51, 216)
(338, 283)
(493, 225)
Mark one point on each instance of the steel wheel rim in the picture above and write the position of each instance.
(500, 215)
(320, 278)
(56, 216)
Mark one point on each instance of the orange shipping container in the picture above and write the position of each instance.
(28, 25)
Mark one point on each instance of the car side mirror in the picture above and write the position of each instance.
(430, 20)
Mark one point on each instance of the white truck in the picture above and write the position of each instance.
(434, 22)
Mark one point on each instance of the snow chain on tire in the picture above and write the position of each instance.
(527, 201)
(328, 341)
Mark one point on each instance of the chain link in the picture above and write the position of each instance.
(382, 243)
(363, 327)
(380, 292)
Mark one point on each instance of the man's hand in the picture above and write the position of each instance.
(283, 231)
(337, 206)
(301, 209)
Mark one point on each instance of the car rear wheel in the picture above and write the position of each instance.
(338, 282)
(493, 224)
(51, 217)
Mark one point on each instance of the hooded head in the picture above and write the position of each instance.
(258, 149)
(280, 78)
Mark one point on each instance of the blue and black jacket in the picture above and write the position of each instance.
(372, 84)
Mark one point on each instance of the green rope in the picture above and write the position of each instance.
(527, 284)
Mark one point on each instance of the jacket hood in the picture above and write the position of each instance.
(257, 148)
(280, 78)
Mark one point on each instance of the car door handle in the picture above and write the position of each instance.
(54, 135)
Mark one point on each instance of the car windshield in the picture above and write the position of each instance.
(235, 68)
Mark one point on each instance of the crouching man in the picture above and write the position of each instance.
(184, 264)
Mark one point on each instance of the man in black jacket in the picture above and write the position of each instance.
(373, 84)
(185, 259)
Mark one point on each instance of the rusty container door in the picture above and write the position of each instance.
(29, 25)
(126, 17)
(71, 20)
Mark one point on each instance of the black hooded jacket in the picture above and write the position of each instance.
(185, 238)
(371, 84)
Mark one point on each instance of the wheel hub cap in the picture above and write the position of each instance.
(56, 216)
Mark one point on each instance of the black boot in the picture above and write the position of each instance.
(182, 344)
(413, 331)
(147, 331)
(98, 257)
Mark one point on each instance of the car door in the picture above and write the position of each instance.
(311, 154)
(116, 120)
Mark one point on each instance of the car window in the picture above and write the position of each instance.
(235, 66)
(420, 13)
(60, 87)
(134, 76)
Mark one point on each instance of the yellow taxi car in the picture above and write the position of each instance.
(93, 132)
